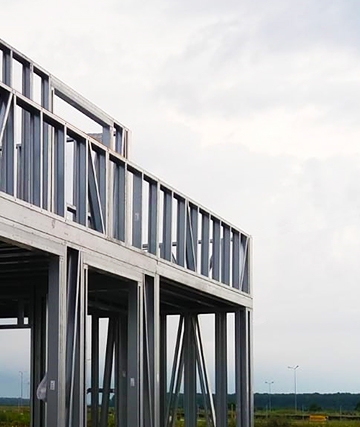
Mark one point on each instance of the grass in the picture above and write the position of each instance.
(11, 416)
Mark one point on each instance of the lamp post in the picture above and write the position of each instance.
(21, 387)
(294, 368)
(269, 383)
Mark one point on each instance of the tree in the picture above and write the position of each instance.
(314, 407)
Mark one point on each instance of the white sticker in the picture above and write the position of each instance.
(132, 382)
(52, 385)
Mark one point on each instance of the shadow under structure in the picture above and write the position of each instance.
(96, 255)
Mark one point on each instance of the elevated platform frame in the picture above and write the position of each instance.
(87, 235)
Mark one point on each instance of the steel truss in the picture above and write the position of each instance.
(95, 245)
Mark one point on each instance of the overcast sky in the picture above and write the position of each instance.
(252, 108)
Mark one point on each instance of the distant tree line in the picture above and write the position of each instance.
(13, 401)
(306, 401)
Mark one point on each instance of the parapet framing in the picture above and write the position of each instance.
(86, 235)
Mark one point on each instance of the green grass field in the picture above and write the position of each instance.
(11, 416)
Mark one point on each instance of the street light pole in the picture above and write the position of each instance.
(269, 393)
(294, 368)
(21, 387)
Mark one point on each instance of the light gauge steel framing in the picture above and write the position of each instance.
(91, 244)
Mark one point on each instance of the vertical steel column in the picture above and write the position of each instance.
(37, 153)
(221, 369)
(236, 260)
(121, 372)
(190, 407)
(94, 371)
(152, 229)
(80, 181)
(165, 251)
(119, 201)
(180, 238)
(135, 356)
(56, 343)
(75, 346)
(107, 136)
(7, 70)
(250, 366)
(194, 215)
(163, 369)
(225, 255)
(205, 240)
(244, 261)
(151, 352)
(101, 173)
(137, 211)
(27, 154)
(96, 173)
(109, 356)
(118, 140)
(242, 368)
(38, 353)
(216, 250)
(59, 172)
(8, 145)
(46, 167)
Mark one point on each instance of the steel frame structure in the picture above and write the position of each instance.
(88, 237)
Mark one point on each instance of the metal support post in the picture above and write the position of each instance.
(151, 351)
(107, 374)
(163, 369)
(75, 340)
(121, 361)
(94, 371)
(190, 408)
(38, 354)
(135, 356)
(56, 343)
(243, 368)
(221, 369)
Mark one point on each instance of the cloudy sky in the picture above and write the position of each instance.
(251, 108)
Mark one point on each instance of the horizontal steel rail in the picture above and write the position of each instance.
(49, 163)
